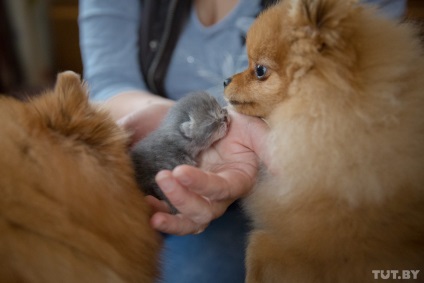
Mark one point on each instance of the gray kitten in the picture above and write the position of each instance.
(193, 124)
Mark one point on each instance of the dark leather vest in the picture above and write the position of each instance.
(161, 24)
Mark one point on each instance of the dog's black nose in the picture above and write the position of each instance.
(227, 82)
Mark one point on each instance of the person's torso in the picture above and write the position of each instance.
(205, 56)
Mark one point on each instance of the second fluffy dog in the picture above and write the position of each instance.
(343, 91)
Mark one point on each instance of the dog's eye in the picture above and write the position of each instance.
(260, 71)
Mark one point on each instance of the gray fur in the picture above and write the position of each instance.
(192, 125)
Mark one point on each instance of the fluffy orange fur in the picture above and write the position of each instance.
(343, 93)
(70, 209)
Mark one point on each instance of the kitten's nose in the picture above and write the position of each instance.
(227, 81)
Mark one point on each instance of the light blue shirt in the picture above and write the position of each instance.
(202, 59)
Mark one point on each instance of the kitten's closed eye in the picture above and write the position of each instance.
(224, 115)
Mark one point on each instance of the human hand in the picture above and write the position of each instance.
(227, 172)
(142, 122)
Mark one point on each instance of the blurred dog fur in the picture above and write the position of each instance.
(342, 89)
(70, 209)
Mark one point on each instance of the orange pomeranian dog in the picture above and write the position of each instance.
(342, 89)
(70, 209)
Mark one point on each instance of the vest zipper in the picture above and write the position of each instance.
(162, 44)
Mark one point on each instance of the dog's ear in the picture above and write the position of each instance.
(67, 111)
(320, 21)
(70, 90)
(67, 100)
(318, 27)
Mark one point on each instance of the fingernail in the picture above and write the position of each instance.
(164, 181)
(158, 222)
(182, 178)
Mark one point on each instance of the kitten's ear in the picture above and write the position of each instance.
(187, 128)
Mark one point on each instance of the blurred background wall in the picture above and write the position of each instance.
(39, 38)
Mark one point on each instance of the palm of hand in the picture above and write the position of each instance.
(227, 171)
(233, 157)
